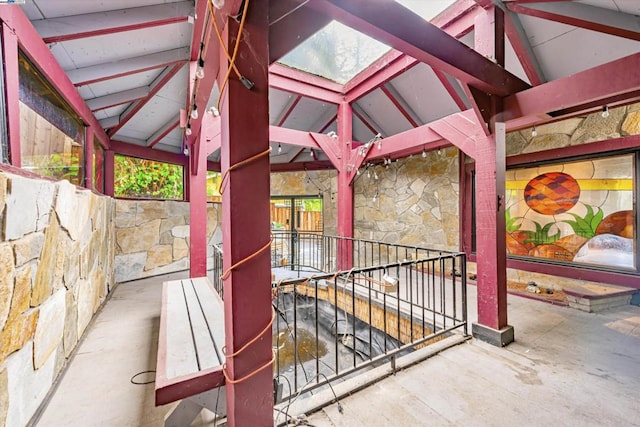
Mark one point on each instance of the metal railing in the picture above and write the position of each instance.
(335, 322)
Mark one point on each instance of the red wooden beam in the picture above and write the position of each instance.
(345, 189)
(462, 130)
(299, 83)
(575, 21)
(32, 45)
(451, 90)
(291, 24)
(330, 146)
(615, 79)
(292, 137)
(141, 152)
(516, 35)
(197, 37)
(156, 86)
(387, 68)
(391, 23)
(287, 113)
(399, 106)
(75, 27)
(246, 226)
(197, 177)
(162, 132)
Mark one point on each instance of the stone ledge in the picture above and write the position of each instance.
(594, 298)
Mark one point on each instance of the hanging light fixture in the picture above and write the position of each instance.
(194, 112)
(605, 112)
(187, 130)
(534, 132)
(279, 148)
(424, 153)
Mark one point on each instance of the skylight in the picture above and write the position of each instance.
(339, 53)
(336, 52)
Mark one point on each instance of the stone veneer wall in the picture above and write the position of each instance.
(56, 268)
(416, 202)
(310, 183)
(152, 237)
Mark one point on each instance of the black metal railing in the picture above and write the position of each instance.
(331, 322)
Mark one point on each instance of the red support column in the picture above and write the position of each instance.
(345, 189)
(246, 230)
(197, 188)
(11, 86)
(109, 176)
(88, 158)
(490, 210)
(491, 240)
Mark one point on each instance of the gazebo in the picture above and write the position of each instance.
(507, 130)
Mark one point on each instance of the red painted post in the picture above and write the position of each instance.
(197, 178)
(109, 164)
(12, 85)
(491, 240)
(245, 226)
(345, 190)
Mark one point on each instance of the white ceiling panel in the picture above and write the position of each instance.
(57, 8)
(385, 115)
(424, 93)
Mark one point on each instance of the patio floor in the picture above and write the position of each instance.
(565, 368)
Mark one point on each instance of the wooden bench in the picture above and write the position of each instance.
(190, 358)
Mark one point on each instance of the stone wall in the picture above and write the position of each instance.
(56, 268)
(311, 183)
(413, 201)
(152, 237)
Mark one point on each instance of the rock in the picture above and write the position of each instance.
(180, 231)
(417, 186)
(167, 224)
(28, 206)
(21, 291)
(73, 207)
(3, 198)
(85, 298)
(6, 281)
(4, 396)
(129, 266)
(597, 128)
(180, 249)
(27, 387)
(70, 335)
(158, 256)
(547, 142)
(175, 208)
(51, 265)
(631, 124)
(72, 264)
(28, 248)
(181, 264)
(126, 206)
(125, 219)
(619, 223)
(140, 238)
(151, 210)
(50, 328)
(17, 332)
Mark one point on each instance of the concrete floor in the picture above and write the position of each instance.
(566, 368)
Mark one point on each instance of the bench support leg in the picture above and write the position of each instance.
(188, 409)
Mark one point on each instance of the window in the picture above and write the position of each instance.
(147, 179)
(574, 212)
(97, 164)
(213, 187)
(51, 134)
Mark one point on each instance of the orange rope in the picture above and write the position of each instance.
(243, 348)
(225, 275)
(239, 165)
(232, 61)
(224, 48)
